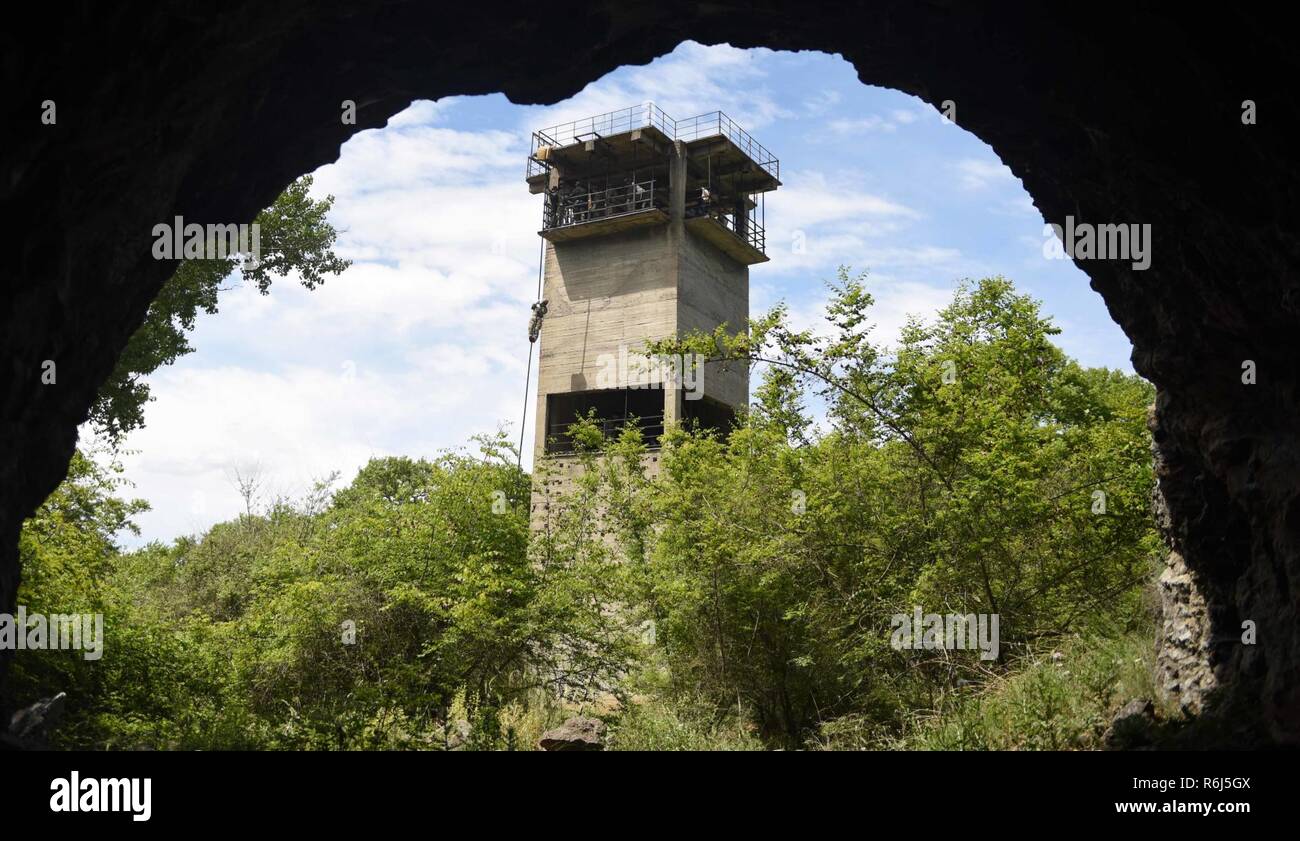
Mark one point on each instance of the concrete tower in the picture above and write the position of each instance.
(651, 225)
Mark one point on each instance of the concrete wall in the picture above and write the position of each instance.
(713, 289)
(605, 293)
(611, 293)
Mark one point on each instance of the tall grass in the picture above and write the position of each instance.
(1060, 700)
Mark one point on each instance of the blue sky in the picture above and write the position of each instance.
(422, 343)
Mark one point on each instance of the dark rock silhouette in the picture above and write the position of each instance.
(30, 727)
(1131, 727)
(1126, 113)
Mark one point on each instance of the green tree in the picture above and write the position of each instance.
(295, 237)
(745, 582)
(370, 622)
(956, 472)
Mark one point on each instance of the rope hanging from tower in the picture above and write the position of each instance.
(534, 330)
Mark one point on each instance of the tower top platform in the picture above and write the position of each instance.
(639, 136)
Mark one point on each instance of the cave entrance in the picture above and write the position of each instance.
(435, 211)
(1042, 88)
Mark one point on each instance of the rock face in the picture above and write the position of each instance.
(1185, 673)
(1131, 726)
(1123, 114)
(1185, 666)
(578, 733)
(30, 727)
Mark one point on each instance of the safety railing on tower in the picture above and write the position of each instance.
(718, 123)
(646, 115)
(588, 205)
(746, 228)
(714, 123)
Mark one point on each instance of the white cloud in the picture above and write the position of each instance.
(397, 159)
(420, 344)
(300, 423)
(809, 198)
(842, 127)
(976, 174)
(694, 79)
(1018, 206)
(822, 101)
(423, 112)
(820, 221)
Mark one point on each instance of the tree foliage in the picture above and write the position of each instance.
(295, 237)
(745, 579)
(958, 472)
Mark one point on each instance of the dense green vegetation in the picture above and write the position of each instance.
(1062, 700)
(739, 596)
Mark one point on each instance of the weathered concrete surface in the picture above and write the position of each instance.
(1128, 113)
(609, 293)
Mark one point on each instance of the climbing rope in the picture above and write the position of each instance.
(534, 330)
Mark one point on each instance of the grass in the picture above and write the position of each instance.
(1062, 700)
(656, 724)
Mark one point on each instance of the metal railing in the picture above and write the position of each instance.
(719, 124)
(714, 123)
(603, 125)
(746, 227)
(647, 115)
(564, 209)
(559, 440)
